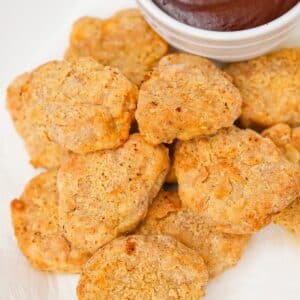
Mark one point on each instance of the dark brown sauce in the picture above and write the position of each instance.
(225, 15)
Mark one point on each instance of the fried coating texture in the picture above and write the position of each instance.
(237, 179)
(105, 194)
(42, 151)
(35, 221)
(289, 218)
(186, 96)
(270, 87)
(219, 250)
(81, 105)
(124, 41)
(143, 267)
(288, 140)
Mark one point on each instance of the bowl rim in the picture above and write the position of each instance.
(150, 7)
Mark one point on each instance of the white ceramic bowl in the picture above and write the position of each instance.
(222, 46)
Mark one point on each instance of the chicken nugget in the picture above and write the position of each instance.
(186, 96)
(42, 151)
(288, 140)
(270, 87)
(237, 179)
(219, 250)
(81, 105)
(124, 41)
(35, 221)
(143, 267)
(107, 193)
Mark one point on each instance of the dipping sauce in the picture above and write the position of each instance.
(225, 15)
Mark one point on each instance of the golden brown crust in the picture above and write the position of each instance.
(81, 105)
(105, 194)
(124, 41)
(35, 221)
(143, 267)
(42, 151)
(237, 179)
(219, 250)
(287, 139)
(186, 96)
(270, 87)
(15, 104)
(290, 217)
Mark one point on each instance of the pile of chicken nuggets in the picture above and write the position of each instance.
(159, 166)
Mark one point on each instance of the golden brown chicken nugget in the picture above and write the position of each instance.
(219, 250)
(105, 194)
(35, 221)
(81, 105)
(270, 87)
(42, 151)
(124, 41)
(288, 140)
(143, 267)
(186, 96)
(237, 179)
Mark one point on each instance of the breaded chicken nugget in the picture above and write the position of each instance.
(124, 41)
(35, 221)
(186, 96)
(143, 267)
(288, 140)
(81, 105)
(105, 194)
(219, 250)
(270, 87)
(42, 151)
(236, 178)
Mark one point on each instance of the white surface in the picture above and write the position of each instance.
(223, 46)
(33, 32)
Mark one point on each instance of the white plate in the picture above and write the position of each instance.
(33, 32)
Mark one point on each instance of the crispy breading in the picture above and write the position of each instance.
(81, 105)
(42, 151)
(143, 267)
(107, 193)
(124, 41)
(289, 218)
(288, 140)
(237, 179)
(270, 87)
(186, 96)
(219, 250)
(35, 221)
